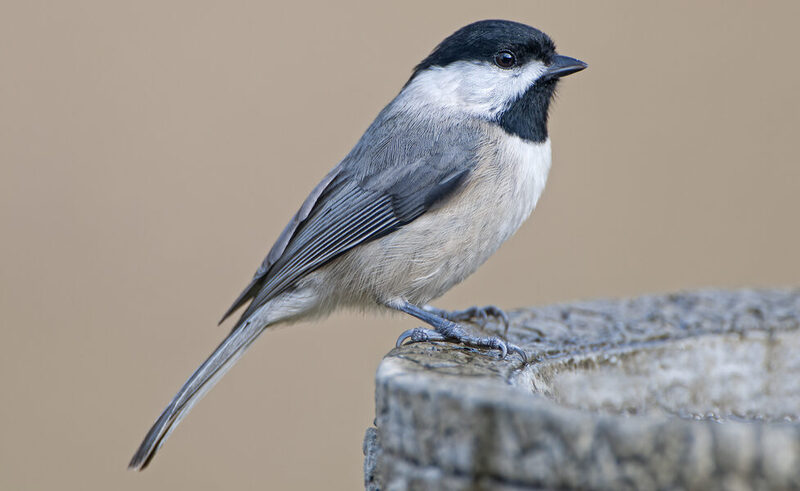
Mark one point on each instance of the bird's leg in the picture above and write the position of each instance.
(447, 330)
(477, 314)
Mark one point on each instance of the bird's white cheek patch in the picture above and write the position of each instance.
(477, 88)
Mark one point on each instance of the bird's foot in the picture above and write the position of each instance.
(478, 315)
(454, 333)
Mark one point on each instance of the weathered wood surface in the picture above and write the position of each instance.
(697, 390)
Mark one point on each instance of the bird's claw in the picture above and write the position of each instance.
(496, 312)
(516, 349)
(419, 334)
(504, 347)
(481, 314)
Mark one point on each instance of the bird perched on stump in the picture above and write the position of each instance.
(448, 171)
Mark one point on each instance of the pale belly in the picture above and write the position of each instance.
(427, 257)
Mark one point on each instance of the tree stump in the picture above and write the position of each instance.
(696, 390)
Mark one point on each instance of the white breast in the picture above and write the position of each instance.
(529, 162)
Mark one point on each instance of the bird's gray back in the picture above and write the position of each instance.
(403, 166)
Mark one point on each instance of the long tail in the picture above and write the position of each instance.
(201, 381)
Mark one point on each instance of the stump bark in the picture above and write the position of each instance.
(696, 390)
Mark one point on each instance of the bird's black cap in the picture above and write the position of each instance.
(482, 40)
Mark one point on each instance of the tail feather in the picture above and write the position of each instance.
(200, 382)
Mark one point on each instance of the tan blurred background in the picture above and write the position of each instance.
(150, 152)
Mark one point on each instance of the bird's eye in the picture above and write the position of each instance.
(505, 59)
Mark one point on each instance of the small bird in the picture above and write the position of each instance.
(445, 174)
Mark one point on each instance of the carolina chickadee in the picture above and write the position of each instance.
(444, 175)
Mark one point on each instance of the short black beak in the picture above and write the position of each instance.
(563, 66)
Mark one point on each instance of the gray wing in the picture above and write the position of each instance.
(280, 245)
(373, 192)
